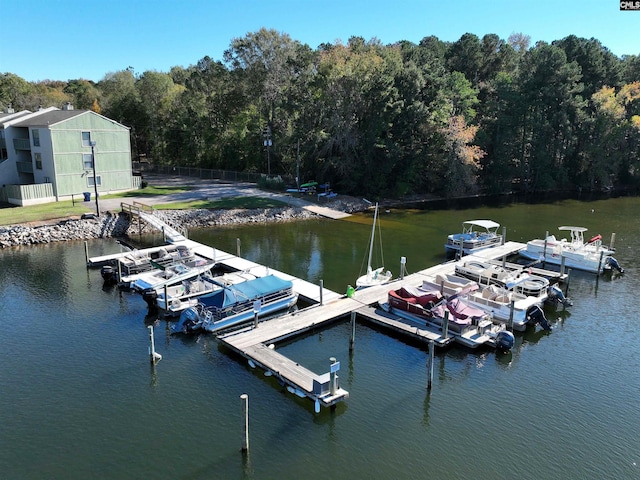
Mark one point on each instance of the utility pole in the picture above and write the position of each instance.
(267, 143)
(95, 183)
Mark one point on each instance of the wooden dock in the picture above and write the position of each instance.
(257, 343)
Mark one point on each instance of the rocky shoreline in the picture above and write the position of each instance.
(118, 225)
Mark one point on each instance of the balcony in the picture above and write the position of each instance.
(21, 144)
(24, 167)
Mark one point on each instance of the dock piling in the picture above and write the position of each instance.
(86, 253)
(321, 289)
(244, 401)
(166, 298)
(504, 235)
(257, 306)
(513, 306)
(238, 247)
(600, 261)
(445, 325)
(403, 263)
(430, 362)
(154, 356)
(352, 341)
(613, 241)
(333, 375)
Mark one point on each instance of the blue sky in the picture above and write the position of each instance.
(72, 39)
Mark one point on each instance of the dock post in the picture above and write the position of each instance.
(403, 263)
(445, 325)
(321, 289)
(155, 356)
(166, 298)
(513, 306)
(504, 235)
(119, 270)
(562, 259)
(600, 261)
(504, 261)
(613, 241)
(164, 237)
(244, 401)
(333, 375)
(566, 290)
(86, 253)
(352, 341)
(238, 247)
(544, 251)
(257, 306)
(430, 362)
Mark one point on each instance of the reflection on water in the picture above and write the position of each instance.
(80, 399)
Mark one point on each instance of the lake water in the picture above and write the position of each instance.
(79, 398)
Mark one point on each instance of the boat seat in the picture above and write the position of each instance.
(488, 294)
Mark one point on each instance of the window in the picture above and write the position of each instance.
(35, 133)
(87, 161)
(38, 159)
(90, 180)
(86, 139)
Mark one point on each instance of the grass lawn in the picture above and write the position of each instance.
(10, 215)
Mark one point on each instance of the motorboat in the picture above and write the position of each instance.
(136, 262)
(378, 276)
(520, 281)
(170, 275)
(476, 235)
(590, 255)
(509, 307)
(237, 304)
(173, 299)
(470, 326)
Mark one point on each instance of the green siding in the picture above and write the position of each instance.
(112, 154)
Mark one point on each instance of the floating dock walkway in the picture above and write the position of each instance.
(257, 342)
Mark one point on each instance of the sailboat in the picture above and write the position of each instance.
(377, 276)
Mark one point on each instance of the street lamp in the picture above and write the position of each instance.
(267, 143)
(95, 181)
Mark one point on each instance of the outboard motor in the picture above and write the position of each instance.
(505, 340)
(556, 296)
(150, 297)
(536, 316)
(612, 264)
(189, 319)
(109, 275)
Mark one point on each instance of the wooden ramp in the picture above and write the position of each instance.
(326, 212)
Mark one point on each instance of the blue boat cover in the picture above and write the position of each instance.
(245, 291)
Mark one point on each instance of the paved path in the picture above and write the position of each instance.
(203, 189)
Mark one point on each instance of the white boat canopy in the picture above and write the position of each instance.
(482, 223)
(574, 229)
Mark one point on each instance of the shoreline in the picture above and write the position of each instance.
(119, 225)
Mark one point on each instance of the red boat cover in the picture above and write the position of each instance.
(462, 312)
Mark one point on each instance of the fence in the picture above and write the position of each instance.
(211, 174)
(27, 194)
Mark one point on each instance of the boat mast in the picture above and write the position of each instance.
(373, 233)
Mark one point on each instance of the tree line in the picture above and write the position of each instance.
(478, 115)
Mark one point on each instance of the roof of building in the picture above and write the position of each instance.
(49, 118)
(52, 116)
